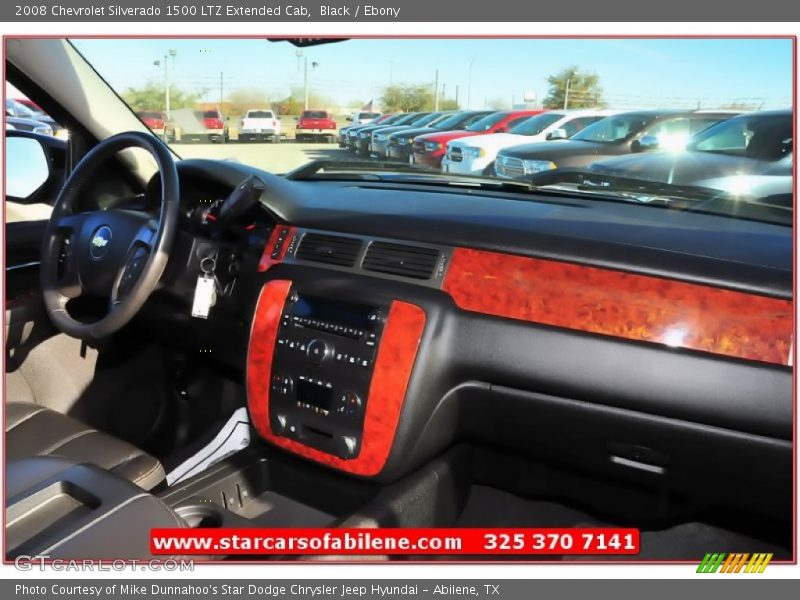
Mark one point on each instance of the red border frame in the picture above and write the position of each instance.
(795, 351)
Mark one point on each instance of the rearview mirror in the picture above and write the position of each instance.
(647, 143)
(557, 134)
(27, 167)
(350, 119)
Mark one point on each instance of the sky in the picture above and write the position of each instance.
(633, 72)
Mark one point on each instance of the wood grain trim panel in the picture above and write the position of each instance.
(393, 365)
(624, 305)
(263, 333)
(266, 257)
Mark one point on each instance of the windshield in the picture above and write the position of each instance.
(460, 121)
(195, 93)
(612, 130)
(487, 122)
(536, 125)
(429, 119)
(390, 120)
(18, 109)
(259, 114)
(406, 119)
(759, 137)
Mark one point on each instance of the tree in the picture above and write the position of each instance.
(584, 89)
(294, 103)
(151, 97)
(242, 99)
(407, 98)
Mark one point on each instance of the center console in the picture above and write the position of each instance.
(326, 378)
(322, 367)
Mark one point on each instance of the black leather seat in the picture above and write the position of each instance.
(33, 430)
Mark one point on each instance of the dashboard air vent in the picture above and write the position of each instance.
(399, 259)
(329, 249)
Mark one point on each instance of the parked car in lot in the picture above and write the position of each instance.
(364, 138)
(353, 131)
(315, 125)
(345, 130)
(30, 104)
(379, 147)
(749, 155)
(188, 125)
(155, 120)
(475, 155)
(15, 109)
(379, 139)
(215, 125)
(260, 125)
(32, 125)
(429, 149)
(400, 143)
(624, 133)
(363, 117)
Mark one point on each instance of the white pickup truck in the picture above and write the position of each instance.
(260, 125)
(363, 117)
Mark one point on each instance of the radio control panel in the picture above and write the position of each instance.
(325, 352)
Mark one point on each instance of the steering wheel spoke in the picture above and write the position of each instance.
(130, 272)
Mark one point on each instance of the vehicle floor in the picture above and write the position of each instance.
(490, 507)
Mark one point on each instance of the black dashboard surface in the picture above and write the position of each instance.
(693, 246)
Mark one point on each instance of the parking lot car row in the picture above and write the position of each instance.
(741, 153)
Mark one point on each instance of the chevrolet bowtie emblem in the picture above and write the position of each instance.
(99, 241)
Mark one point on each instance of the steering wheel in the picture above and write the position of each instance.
(114, 253)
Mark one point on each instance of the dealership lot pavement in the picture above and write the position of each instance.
(275, 158)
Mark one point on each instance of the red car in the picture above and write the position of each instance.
(30, 104)
(153, 119)
(315, 125)
(429, 149)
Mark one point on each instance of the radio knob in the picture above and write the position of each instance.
(318, 351)
(346, 446)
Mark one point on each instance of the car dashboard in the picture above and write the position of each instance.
(376, 324)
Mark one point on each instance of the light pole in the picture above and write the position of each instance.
(436, 91)
(314, 65)
(157, 63)
(469, 83)
(566, 94)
